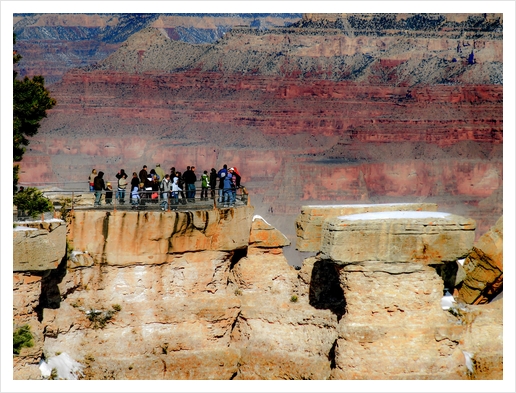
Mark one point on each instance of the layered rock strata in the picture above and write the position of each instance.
(387, 108)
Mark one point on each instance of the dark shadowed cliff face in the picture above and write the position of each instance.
(342, 109)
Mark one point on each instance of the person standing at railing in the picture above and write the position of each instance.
(166, 187)
(160, 172)
(91, 179)
(122, 185)
(213, 182)
(109, 194)
(181, 184)
(143, 174)
(227, 190)
(204, 186)
(189, 179)
(234, 185)
(135, 182)
(175, 191)
(222, 175)
(99, 186)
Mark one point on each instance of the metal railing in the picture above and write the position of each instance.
(165, 201)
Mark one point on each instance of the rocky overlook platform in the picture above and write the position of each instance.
(210, 295)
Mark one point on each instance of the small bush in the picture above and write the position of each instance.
(99, 319)
(22, 337)
(238, 292)
(293, 298)
(32, 202)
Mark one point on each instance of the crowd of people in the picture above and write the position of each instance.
(155, 185)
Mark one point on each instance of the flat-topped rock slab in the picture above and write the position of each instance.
(397, 236)
(309, 223)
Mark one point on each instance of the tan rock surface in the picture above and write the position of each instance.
(265, 235)
(310, 221)
(122, 238)
(231, 314)
(484, 267)
(280, 337)
(425, 237)
(39, 249)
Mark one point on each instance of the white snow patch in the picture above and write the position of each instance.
(258, 217)
(447, 301)
(65, 366)
(20, 228)
(394, 215)
(38, 221)
(461, 261)
(469, 360)
(74, 254)
(359, 205)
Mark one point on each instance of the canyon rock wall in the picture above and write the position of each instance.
(52, 44)
(175, 305)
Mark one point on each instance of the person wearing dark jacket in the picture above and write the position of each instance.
(135, 182)
(143, 174)
(98, 186)
(181, 185)
(221, 175)
(190, 178)
(213, 182)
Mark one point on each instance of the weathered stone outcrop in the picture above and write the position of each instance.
(407, 236)
(264, 235)
(310, 221)
(386, 263)
(39, 246)
(484, 268)
(38, 249)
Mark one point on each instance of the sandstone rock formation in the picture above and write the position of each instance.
(390, 236)
(39, 246)
(484, 268)
(392, 290)
(189, 296)
(310, 221)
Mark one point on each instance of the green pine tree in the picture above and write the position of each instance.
(30, 102)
